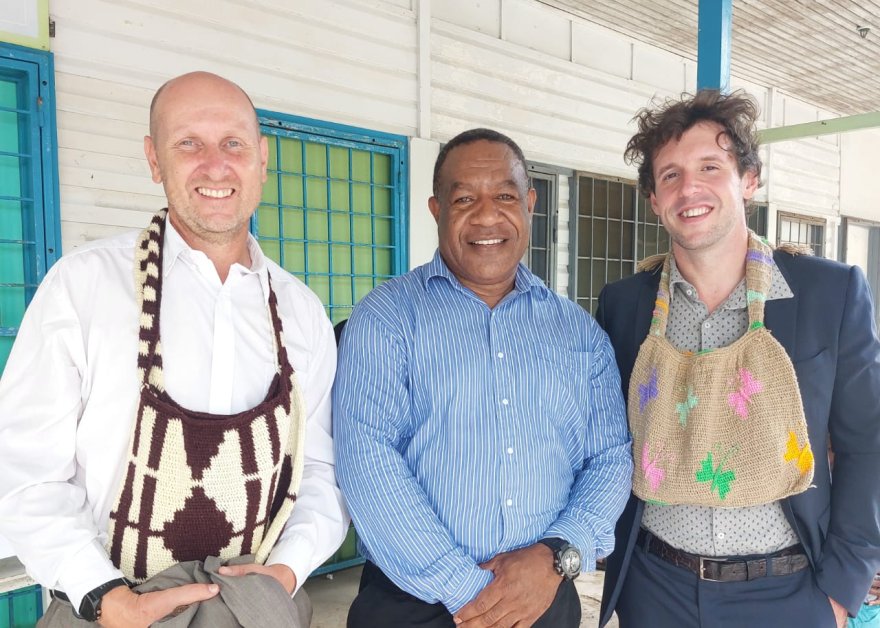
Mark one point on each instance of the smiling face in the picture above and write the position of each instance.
(483, 214)
(699, 193)
(208, 153)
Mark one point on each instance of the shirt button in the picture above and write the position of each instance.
(708, 325)
(500, 355)
(510, 502)
(505, 401)
(720, 535)
(510, 450)
(689, 292)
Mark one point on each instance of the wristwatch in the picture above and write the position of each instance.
(566, 557)
(90, 608)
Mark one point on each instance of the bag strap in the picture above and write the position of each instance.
(759, 277)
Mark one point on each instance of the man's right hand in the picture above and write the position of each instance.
(123, 608)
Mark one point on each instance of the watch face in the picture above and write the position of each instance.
(571, 562)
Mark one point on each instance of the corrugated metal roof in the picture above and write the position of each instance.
(810, 49)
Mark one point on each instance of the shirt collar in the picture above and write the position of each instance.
(524, 282)
(779, 288)
(177, 248)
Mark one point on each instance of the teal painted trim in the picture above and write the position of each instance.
(331, 129)
(47, 182)
(822, 127)
(338, 566)
(51, 182)
(713, 44)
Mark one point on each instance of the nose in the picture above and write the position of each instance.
(690, 184)
(215, 164)
(486, 213)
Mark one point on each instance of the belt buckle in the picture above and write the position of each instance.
(708, 559)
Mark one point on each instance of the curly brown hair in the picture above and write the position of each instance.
(735, 112)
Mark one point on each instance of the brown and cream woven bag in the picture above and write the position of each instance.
(197, 484)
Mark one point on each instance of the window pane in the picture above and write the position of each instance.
(539, 231)
(539, 254)
(600, 198)
(615, 199)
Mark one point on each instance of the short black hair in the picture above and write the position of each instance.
(469, 137)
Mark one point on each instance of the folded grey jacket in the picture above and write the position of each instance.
(252, 601)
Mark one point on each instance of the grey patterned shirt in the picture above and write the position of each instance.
(701, 529)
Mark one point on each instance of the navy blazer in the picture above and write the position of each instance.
(829, 333)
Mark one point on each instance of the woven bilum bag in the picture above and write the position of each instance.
(721, 428)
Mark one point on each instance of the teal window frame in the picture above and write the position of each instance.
(34, 72)
(348, 137)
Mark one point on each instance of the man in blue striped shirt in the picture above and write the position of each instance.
(480, 431)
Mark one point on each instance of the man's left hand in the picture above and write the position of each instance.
(840, 613)
(524, 587)
(282, 573)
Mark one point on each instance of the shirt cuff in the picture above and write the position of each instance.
(469, 585)
(85, 571)
(297, 553)
(572, 531)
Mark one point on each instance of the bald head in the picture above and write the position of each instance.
(201, 85)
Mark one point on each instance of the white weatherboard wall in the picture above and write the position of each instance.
(342, 61)
(566, 90)
(562, 87)
(859, 183)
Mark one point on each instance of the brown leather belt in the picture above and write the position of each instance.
(725, 569)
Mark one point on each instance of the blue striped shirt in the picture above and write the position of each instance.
(463, 432)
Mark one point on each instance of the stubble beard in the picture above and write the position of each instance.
(220, 231)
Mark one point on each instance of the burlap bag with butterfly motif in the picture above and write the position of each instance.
(721, 428)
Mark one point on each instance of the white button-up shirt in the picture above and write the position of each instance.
(69, 395)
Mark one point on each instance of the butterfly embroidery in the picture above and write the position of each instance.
(684, 408)
(646, 393)
(741, 399)
(653, 473)
(804, 457)
(719, 478)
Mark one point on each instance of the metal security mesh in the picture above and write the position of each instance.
(330, 214)
(614, 229)
(758, 219)
(796, 229)
(19, 238)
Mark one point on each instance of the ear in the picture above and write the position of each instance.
(654, 205)
(152, 159)
(264, 156)
(531, 198)
(749, 184)
(434, 207)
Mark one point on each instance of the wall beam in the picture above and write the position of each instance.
(821, 127)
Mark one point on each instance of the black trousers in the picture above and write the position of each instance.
(382, 604)
(656, 594)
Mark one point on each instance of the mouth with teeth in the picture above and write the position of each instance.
(215, 192)
(695, 212)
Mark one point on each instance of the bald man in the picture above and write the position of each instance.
(165, 411)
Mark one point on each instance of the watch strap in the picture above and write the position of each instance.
(554, 543)
(90, 607)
